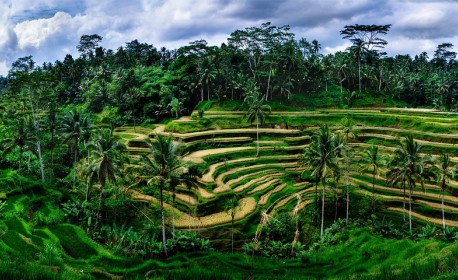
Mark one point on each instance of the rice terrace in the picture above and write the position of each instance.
(263, 158)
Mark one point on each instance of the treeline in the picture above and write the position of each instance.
(140, 82)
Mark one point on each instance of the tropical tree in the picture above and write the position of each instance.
(366, 40)
(372, 160)
(231, 207)
(75, 127)
(257, 110)
(445, 172)
(410, 167)
(162, 168)
(105, 162)
(347, 127)
(323, 160)
(21, 138)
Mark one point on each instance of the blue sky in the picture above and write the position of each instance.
(50, 29)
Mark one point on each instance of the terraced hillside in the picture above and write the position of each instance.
(223, 145)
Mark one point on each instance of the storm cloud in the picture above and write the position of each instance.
(50, 29)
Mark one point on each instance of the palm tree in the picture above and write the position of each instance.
(21, 138)
(257, 111)
(445, 172)
(322, 160)
(75, 127)
(105, 161)
(162, 168)
(411, 167)
(373, 161)
(346, 155)
(231, 207)
(346, 127)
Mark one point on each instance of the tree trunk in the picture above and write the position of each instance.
(208, 91)
(373, 190)
(100, 204)
(404, 201)
(410, 208)
(443, 212)
(201, 93)
(164, 240)
(323, 182)
(268, 82)
(359, 73)
(232, 233)
(257, 136)
(40, 159)
(52, 155)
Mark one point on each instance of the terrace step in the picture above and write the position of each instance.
(260, 180)
(221, 187)
(423, 218)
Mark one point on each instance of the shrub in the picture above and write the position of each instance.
(50, 254)
(201, 113)
(428, 231)
(386, 228)
(172, 127)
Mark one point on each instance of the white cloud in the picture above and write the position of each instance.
(49, 29)
(34, 33)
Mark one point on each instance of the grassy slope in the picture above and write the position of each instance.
(361, 256)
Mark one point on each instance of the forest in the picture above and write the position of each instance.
(262, 158)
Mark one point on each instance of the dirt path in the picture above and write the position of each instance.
(260, 180)
(437, 206)
(265, 185)
(197, 157)
(265, 198)
(208, 177)
(221, 187)
(449, 199)
(247, 206)
(424, 218)
(235, 181)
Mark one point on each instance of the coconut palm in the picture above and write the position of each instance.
(445, 172)
(257, 111)
(21, 138)
(322, 160)
(347, 127)
(189, 179)
(105, 161)
(411, 168)
(162, 168)
(75, 127)
(346, 155)
(372, 160)
(231, 207)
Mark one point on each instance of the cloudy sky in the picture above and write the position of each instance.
(50, 29)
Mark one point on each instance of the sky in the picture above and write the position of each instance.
(50, 29)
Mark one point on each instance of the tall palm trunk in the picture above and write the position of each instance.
(410, 208)
(347, 175)
(164, 241)
(443, 212)
(52, 154)
(373, 190)
(323, 183)
(42, 167)
(404, 200)
(257, 136)
(232, 232)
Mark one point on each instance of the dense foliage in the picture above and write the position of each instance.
(67, 181)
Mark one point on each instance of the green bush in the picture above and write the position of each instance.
(75, 242)
(172, 127)
(50, 254)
